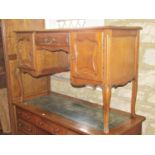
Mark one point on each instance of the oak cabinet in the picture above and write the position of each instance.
(104, 56)
(63, 115)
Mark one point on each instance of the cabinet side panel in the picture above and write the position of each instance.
(122, 57)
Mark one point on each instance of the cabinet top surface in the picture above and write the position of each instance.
(84, 29)
(88, 115)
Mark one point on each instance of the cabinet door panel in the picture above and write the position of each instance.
(86, 55)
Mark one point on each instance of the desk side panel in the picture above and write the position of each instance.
(122, 56)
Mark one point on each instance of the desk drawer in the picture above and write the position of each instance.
(26, 127)
(49, 126)
(30, 123)
(54, 40)
(25, 115)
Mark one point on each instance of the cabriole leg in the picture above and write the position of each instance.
(133, 97)
(106, 101)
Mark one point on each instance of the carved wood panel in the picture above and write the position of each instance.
(86, 55)
(25, 51)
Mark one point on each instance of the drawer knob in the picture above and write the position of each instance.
(46, 40)
(49, 40)
(53, 40)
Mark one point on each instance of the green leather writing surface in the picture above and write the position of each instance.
(77, 111)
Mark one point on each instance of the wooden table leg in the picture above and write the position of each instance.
(133, 97)
(106, 101)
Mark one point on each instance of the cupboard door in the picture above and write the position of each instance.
(86, 55)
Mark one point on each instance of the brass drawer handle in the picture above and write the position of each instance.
(54, 40)
(49, 41)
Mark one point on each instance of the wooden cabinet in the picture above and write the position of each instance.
(105, 56)
(62, 115)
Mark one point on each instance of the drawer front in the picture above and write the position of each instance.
(49, 126)
(53, 128)
(20, 132)
(41, 132)
(54, 40)
(26, 120)
(26, 127)
(25, 115)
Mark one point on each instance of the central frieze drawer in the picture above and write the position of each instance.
(54, 40)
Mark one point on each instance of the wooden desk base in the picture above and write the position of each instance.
(62, 115)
